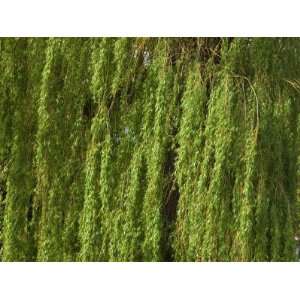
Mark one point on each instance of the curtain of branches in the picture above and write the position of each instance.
(149, 149)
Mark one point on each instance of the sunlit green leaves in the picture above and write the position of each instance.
(149, 149)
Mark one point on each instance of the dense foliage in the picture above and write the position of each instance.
(149, 149)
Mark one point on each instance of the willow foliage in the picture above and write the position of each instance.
(18, 235)
(149, 149)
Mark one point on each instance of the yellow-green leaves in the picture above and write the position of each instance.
(149, 149)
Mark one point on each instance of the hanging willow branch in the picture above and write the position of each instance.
(149, 149)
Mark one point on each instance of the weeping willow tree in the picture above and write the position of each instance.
(149, 149)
